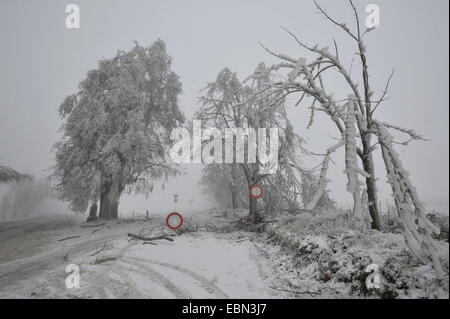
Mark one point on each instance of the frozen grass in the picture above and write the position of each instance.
(331, 223)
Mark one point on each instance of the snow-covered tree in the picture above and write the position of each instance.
(356, 124)
(117, 129)
(228, 103)
(352, 117)
(226, 182)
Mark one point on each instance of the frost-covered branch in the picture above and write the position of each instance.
(413, 134)
(417, 229)
(323, 180)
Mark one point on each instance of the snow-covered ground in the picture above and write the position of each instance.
(35, 253)
(211, 256)
(329, 253)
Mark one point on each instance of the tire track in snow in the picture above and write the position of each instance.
(159, 279)
(206, 284)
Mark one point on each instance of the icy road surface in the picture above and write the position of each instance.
(34, 255)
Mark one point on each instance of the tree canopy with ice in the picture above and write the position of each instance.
(117, 129)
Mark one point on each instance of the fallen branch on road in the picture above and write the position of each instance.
(104, 259)
(147, 239)
(98, 225)
(71, 237)
(188, 227)
(96, 230)
(105, 246)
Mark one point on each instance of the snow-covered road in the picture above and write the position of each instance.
(34, 255)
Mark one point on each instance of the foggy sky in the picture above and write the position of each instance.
(41, 62)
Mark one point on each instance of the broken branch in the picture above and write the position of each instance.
(165, 237)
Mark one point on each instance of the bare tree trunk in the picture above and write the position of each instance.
(109, 203)
(234, 192)
(104, 204)
(92, 212)
(253, 208)
(252, 202)
(367, 161)
(234, 199)
(234, 188)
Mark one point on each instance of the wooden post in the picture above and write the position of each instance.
(175, 200)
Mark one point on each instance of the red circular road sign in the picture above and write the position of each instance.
(174, 214)
(256, 191)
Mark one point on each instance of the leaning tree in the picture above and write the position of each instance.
(117, 129)
(355, 121)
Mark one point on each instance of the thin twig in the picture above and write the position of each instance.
(311, 293)
(71, 237)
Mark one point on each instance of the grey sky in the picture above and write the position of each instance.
(41, 62)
